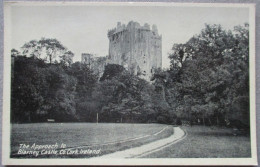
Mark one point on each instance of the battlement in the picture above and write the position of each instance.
(132, 25)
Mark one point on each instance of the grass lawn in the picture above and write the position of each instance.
(207, 142)
(91, 135)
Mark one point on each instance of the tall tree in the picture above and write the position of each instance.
(213, 70)
(46, 48)
(52, 48)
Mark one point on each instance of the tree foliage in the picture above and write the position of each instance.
(47, 49)
(213, 70)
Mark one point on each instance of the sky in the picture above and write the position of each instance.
(83, 29)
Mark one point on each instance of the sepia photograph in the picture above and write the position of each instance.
(117, 83)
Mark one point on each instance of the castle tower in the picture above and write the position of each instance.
(96, 64)
(86, 58)
(136, 47)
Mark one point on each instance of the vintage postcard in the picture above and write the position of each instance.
(113, 83)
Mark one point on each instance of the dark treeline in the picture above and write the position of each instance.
(207, 83)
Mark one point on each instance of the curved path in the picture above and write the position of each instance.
(149, 148)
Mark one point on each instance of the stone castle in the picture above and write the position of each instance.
(137, 48)
(97, 64)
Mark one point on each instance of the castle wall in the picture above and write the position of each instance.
(137, 48)
(97, 64)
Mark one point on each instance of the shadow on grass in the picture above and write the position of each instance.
(223, 134)
(217, 131)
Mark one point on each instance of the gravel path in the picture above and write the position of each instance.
(149, 148)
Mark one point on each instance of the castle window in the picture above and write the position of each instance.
(144, 62)
(144, 71)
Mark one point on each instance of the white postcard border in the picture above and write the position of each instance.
(6, 160)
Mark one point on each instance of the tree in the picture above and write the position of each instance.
(46, 48)
(33, 49)
(125, 97)
(28, 89)
(180, 54)
(86, 84)
(41, 91)
(212, 68)
(86, 78)
(67, 58)
(60, 99)
(112, 70)
(52, 47)
(15, 53)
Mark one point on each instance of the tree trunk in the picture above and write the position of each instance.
(203, 120)
(29, 117)
(189, 116)
(210, 122)
(163, 93)
(50, 59)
